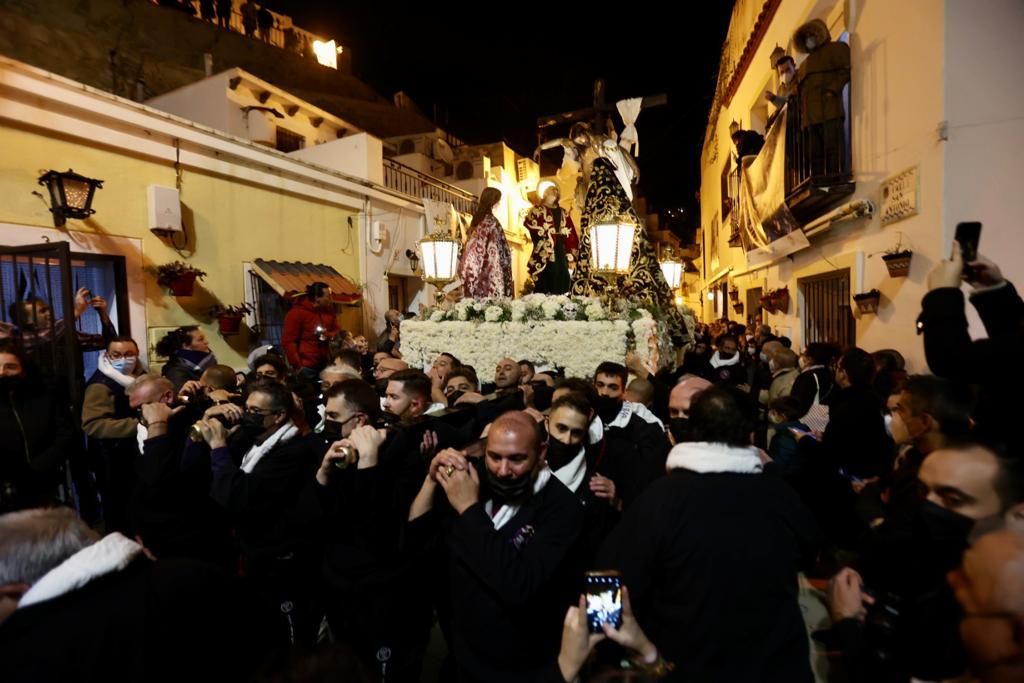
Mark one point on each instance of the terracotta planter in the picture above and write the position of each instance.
(767, 304)
(780, 300)
(229, 324)
(898, 264)
(868, 301)
(734, 295)
(738, 308)
(183, 285)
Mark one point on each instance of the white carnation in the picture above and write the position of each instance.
(595, 311)
(437, 316)
(550, 308)
(493, 314)
(518, 311)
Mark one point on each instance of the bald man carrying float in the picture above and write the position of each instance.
(508, 527)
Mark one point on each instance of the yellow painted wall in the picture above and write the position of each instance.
(229, 222)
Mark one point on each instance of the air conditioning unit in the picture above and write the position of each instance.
(474, 167)
(164, 210)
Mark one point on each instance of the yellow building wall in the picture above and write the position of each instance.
(228, 221)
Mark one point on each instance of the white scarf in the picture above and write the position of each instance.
(141, 434)
(507, 512)
(595, 431)
(104, 365)
(106, 556)
(284, 434)
(629, 409)
(706, 458)
(571, 474)
(717, 362)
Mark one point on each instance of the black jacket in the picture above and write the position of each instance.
(711, 563)
(804, 388)
(171, 620)
(179, 373)
(38, 437)
(993, 363)
(262, 504)
(510, 587)
(632, 456)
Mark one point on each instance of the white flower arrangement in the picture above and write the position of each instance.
(574, 333)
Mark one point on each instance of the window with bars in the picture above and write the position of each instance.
(826, 313)
(288, 141)
(522, 169)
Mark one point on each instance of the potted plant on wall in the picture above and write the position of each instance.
(734, 295)
(178, 277)
(229, 318)
(867, 302)
(897, 260)
(738, 308)
(780, 299)
(767, 303)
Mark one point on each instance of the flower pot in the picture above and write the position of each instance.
(867, 302)
(898, 264)
(780, 300)
(767, 304)
(738, 308)
(182, 285)
(734, 295)
(229, 324)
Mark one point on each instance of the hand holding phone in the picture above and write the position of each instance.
(604, 600)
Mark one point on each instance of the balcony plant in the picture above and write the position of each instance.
(738, 308)
(897, 259)
(780, 299)
(867, 302)
(767, 303)
(229, 318)
(178, 277)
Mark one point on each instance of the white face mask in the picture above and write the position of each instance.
(811, 43)
(771, 366)
(787, 76)
(888, 425)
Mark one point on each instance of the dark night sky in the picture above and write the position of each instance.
(494, 74)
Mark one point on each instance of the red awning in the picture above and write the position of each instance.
(290, 279)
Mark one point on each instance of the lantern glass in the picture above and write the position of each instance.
(440, 259)
(673, 272)
(76, 193)
(611, 247)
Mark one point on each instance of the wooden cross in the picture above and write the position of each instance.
(599, 114)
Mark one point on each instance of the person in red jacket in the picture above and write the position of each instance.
(308, 326)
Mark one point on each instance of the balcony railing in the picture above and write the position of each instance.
(819, 170)
(411, 182)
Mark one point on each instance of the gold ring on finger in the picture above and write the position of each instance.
(448, 471)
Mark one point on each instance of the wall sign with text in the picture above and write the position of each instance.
(900, 196)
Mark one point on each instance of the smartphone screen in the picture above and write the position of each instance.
(968, 235)
(604, 600)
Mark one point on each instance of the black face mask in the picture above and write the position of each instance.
(561, 454)
(381, 386)
(725, 356)
(509, 490)
(453, 397)
(944, 534)
(332, 430)
(608, 408)
(252, 424)
(679, 427)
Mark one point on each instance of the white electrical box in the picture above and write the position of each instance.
(164, 210)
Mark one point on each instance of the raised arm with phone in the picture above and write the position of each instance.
(993, 362)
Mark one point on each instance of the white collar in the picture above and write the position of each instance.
(507, 512)
(284, 434)
(106, 556)
(717, 362)
(706, 458)
(572, 473)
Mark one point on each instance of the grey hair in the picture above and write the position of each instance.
(143, 380)
(33, 542)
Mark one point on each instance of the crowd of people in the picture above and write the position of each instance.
(321, 513)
